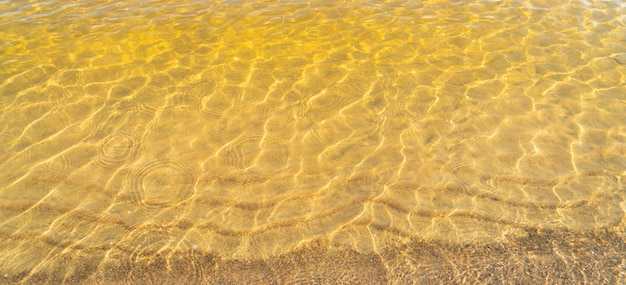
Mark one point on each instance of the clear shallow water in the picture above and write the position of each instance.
(292, 141)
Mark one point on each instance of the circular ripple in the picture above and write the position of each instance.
(117, 149)
(161, 183)
(262, 155)
(222, 103)
(58, 164)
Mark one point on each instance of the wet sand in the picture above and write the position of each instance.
(543, 257)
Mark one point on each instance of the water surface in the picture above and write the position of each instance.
(323, 141)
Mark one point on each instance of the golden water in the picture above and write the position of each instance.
(135, 131)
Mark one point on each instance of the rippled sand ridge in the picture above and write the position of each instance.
(301, 142)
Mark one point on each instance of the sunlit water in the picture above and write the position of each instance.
(140, 132)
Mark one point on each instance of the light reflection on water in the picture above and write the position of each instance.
(149, 131)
